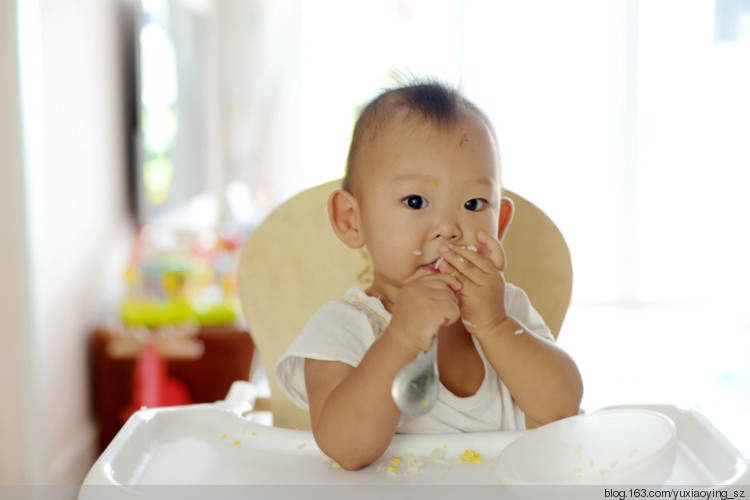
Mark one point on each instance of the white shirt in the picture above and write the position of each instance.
(343, 330)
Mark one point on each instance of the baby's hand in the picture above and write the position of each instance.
(482, 291)
(422, 307)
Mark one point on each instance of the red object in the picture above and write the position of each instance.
(227, 356)
(152, 387)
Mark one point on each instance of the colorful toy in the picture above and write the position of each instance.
(180, 277)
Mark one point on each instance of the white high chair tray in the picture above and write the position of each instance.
(209, 444)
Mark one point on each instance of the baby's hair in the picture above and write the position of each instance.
(436, 102)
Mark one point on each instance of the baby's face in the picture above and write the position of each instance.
(422, 187)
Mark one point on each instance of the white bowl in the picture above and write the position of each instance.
(605, 447)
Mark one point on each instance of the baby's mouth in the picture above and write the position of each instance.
(434, 266)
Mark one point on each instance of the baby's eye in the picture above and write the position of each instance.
(475, 204)
(415, 201)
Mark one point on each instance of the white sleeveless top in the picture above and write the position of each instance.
(343, 330)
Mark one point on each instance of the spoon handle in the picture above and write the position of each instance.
(415, 387)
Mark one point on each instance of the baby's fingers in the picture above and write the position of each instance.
(449, 279)
(495, 252)
(443, 299)
(467, 263)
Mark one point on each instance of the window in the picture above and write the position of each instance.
(627, 121)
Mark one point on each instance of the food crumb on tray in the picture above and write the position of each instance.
(414, 464)
(407, 464)
(471, 456)
(437, 456)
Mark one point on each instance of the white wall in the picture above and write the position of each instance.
(13, 264)
(65, 205)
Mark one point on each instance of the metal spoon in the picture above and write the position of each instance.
(415, 387)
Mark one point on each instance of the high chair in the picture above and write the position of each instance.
(293, 263)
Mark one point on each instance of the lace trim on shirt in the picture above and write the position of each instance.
(363, 306)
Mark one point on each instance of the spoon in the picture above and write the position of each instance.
(415, 387)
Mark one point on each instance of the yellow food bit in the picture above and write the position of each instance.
(471, 456)
(335, 464)
(255, 433)
(392, 469)
(223, 436)
(425, 402)
(236, 443)
(396, 460)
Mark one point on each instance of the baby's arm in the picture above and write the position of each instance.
(352, 413)
(542, 378)
(351, 409)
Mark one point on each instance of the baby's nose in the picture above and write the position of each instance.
(448, 230)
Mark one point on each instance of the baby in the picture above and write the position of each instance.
(422, 194)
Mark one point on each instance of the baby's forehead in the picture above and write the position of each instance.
(403, 131)
(406, 125)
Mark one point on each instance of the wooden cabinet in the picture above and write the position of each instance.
(215, 357)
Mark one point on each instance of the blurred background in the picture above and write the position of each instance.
(143, 140)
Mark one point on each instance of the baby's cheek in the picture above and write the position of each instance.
(395, 261)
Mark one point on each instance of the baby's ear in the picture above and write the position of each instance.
(343, 212)
(506, 215)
